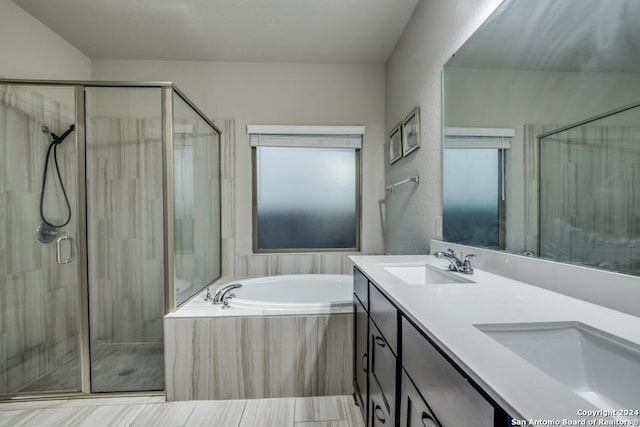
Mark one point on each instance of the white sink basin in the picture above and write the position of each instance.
(424, 275)
(600, 367)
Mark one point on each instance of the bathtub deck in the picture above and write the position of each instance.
(330, 411)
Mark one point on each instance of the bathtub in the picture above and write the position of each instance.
(278, 295)
(296, 293)
(282, 336)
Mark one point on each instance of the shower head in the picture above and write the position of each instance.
(55, 139)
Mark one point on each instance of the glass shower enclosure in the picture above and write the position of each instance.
(590, 192)
(109, 219)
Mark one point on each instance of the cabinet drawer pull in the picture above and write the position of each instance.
(380, 341)
(379, 414)
(364, 362)
(428, 421)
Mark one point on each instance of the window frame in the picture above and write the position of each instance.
(254, 209)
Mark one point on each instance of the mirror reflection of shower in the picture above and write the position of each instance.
(47, 231)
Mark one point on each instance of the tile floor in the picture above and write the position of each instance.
(114, 368)
(329, 411)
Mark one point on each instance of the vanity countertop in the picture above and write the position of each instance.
(447, 314)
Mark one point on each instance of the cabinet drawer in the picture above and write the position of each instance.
(414, 411)
(384, 314)
(378, 414)
(452, 399)
(361, 287)
(383, 368)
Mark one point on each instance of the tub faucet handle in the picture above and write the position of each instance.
(225, 301)
(467, 269)
(208, 297)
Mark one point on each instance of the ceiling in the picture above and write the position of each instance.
(334, 31)
(578, 35)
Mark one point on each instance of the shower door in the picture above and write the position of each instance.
(39, 272)
(125, 237)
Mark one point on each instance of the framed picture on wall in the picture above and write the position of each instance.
(411, 132)
(395, 145)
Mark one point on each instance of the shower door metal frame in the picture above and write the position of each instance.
(82, 241)
(168, 91)
(167, 186)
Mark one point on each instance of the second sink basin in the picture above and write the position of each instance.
(600, 367)
(424, 275)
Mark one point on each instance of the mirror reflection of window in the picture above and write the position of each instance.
(473, 201)
(474, 193)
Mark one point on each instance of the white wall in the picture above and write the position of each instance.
(279, 93)
(30, 50)
(413, 77)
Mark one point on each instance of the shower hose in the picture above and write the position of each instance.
(53, 146)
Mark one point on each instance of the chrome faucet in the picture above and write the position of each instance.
(208, 296)
(223, 295)
(456, 264)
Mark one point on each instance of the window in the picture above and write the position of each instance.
(474, 202)
(473, 206)
(306, 191)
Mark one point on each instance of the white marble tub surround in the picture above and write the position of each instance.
(283, 349)
(448, 314)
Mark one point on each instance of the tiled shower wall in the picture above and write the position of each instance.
(586, 172)
(38, 297)
(238, 264)
(591, 196)
(125, 229)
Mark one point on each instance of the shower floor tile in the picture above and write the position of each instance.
(115, 368)
(127, 367)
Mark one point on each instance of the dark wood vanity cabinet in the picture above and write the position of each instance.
(452, 400)
(401, 378)
(361, 341)
(375, 353)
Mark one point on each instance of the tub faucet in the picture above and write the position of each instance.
(455, 263)
(208, 296)
(223, 295)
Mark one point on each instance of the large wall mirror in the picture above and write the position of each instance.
(541, 133)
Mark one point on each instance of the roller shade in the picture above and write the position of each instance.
(306, 136)
(459, 137)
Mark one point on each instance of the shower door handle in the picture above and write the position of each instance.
(72, 251)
